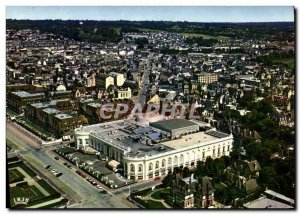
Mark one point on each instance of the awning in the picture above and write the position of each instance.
(113, 164)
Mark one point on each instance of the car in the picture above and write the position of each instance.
(48, 167)
(157, 178)
(99, 187)
(83, 175)
(118, 170)
(53, 170)
(69, 166)
(59, 174)
(56, 158)
(65, 163)
(94, 183)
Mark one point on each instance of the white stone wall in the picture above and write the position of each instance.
(185, 158)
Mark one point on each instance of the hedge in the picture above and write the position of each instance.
(47, 187)
(38, 201)
(12, 159)
(29, 171)
(63, 202)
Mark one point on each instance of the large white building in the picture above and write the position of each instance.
(149, 151)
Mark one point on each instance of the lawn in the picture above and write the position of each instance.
(28, 170)
(290, 62)
(15, 176)
(160, 194)
(67, 150)
(220, 186)
(149, 204)
(25, 191)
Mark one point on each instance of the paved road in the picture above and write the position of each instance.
(145, 81)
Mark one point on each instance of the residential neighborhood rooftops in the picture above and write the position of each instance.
(51, 111)
(26, 94)
(63, 116)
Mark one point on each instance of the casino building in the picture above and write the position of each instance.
(149, 151)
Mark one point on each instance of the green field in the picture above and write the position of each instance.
(160, 194)
(14, 175)
(290, 62)
(117, 30)
(26, 191)
(149, 204)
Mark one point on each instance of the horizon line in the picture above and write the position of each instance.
(144, 20)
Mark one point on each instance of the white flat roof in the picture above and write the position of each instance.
(189, 140)
(262, 203)
(280, 196)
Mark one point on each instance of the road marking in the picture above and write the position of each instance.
(110, 193)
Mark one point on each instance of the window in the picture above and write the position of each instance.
(203, 154)
(175, 160)
(156, 165)
(181, 159)
(150, 166)
(140, 167)
(228, 148)
(169, 161)
(132, 168)
(213, 151)
(163, 163)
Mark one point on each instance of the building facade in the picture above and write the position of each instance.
(207, 78)
(151, 156)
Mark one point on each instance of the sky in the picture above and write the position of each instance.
(168, 13)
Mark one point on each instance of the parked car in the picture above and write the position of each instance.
(99, 187)
(69, 166)
(59, 174)
(56, 158)
(48, 167)
(118, 170)
(65, 163)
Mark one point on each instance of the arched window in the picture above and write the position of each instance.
(170, 161)
(188, 157)
(132, 168)
(156, 165)
(175, 160)
(140, 167)
(150, 166)
(194, 156)
(181, 159)
(163, 163)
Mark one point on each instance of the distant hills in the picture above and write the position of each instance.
(98, 31)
